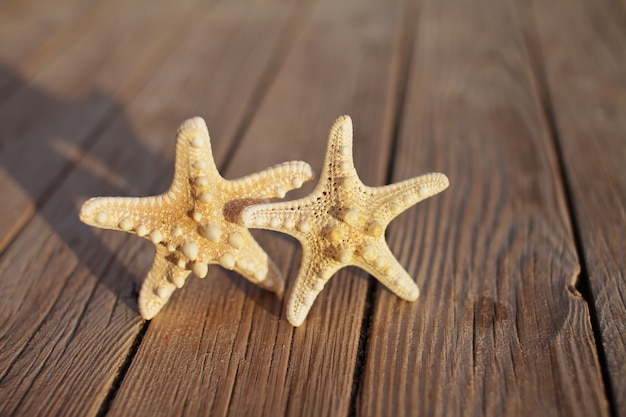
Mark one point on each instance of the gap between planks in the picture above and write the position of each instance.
(43, 43)
(408, 33)
(105, 406)
(301, 359)
(177, 33)
(581, 284)
(288, 37)
(446, 360)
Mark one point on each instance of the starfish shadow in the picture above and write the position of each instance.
(46, 154)
(44, 148)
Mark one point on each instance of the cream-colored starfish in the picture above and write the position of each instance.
(343, 223)
(194, 223)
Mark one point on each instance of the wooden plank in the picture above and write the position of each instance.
(498, 329)
(583, 62)
(89, 83)
(68, 313)
(223, 346)
(45, 309)
(32, 29)
(25, 24)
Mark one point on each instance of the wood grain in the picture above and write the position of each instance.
(583, 70)
(498, 329)
(520, 103)
(223, 346)
(57, 113)
(31, 26)
(66, 326)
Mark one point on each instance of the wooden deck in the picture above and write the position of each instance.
(521, 262)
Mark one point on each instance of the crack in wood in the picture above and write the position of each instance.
(123, 370)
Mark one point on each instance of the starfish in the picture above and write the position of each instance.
(194, 224)
(342, 222)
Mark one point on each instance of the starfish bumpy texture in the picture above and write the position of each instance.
(194, 223)
(342, 222)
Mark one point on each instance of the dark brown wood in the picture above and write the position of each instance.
(498, 329)
(582, 65)
(223, 346)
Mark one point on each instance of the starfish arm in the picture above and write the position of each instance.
(386, 269)
(255, 265)
(194, 156)
(338, 162)
(128, 214)
(314, 272)
(276, 181)
(162, 279)
(389, 201)
(288, 217)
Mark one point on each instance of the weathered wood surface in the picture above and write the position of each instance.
(246, 358)
(495, 248)
(67, 103)
(582, 66)
(495, 94)
(27, 26)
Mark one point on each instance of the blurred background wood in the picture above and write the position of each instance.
(520, 261)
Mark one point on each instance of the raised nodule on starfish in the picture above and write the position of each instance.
(194, 224)
(343, 223)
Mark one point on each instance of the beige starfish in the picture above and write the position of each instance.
(343, 223)
(194, 223)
